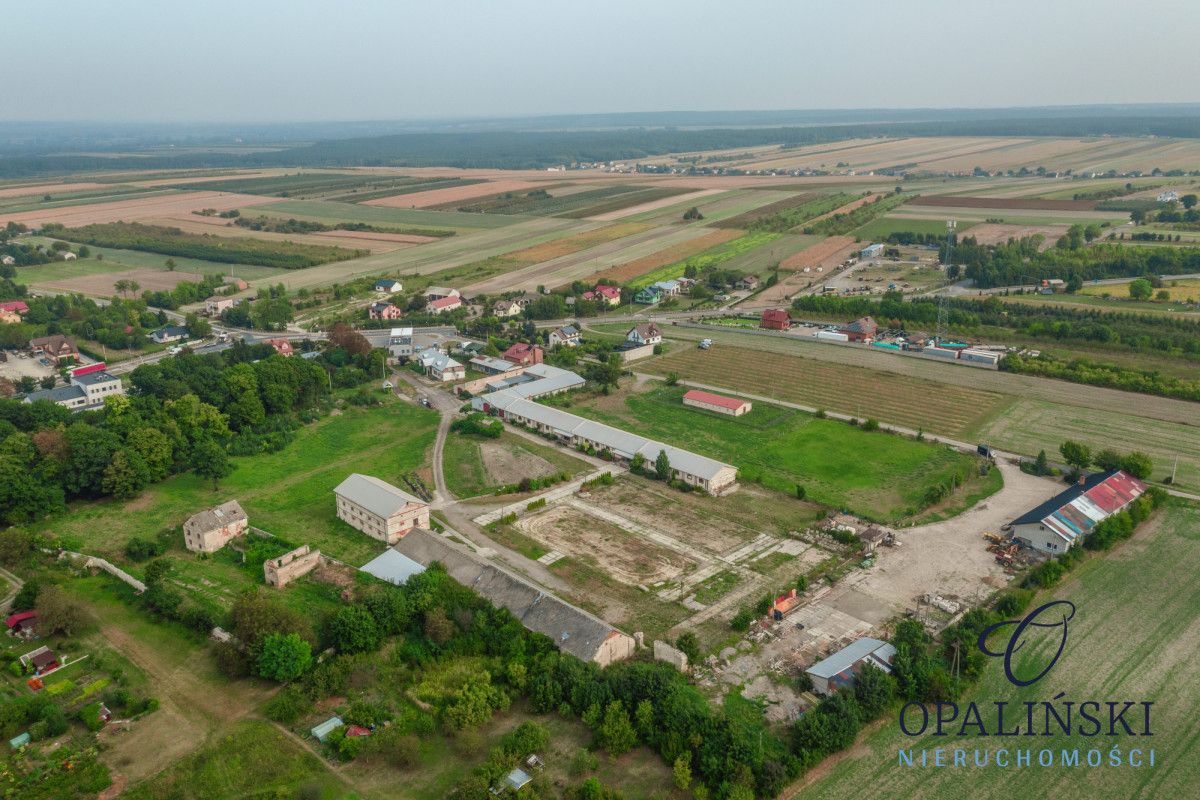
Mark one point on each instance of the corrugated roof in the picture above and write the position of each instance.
(848, 656)
(392, 566)
(1075, 511)
(378, 497)
(714, 399)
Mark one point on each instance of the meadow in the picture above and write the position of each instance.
(1135, 620)
(873, 474)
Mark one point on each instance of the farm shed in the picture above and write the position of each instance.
(392, 566)
(22, 621)
(1065, 518)
(775, 319)
(840, 669)
(379, 509)
(573, 630)
(442, 305)
(732, 406)
(870, 251)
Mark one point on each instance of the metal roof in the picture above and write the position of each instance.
(1075, 511)
(378, 497)
(392, 566)
(701, 396)
(58, 394)
(847, 657)
(92, 378)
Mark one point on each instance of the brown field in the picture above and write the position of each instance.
(1015, 203)
(137, 209)
(633, 269)
(452, 194)
(151, 280)
(995, 233)
(579, 241)
(50, 188)
(900, 399)
(653, 205)
(827, 253)
(403, 238)
(194, 223)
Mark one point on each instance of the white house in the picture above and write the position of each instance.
(388, 285)
(647, 333)
(443, 305)
(566, 336)
(444, 368)
(506, 308)
(400, 342)
(440, 292)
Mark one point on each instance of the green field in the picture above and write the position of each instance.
(1129, 641)
(467, 475)
(573, 206)
(13, 205)
(1031, 425)
(120, 260)
(715, 256)
(351, 186)
(883, 227)
(329, 211)
(289, 493)
(876, 475)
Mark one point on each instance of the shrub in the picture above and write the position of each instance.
(288, 705)
(871, 424)
(536, 504)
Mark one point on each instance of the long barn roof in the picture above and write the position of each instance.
(1080, 508)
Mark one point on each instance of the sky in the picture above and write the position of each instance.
(319, 60)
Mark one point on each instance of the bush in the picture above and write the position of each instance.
(741, 620)
(138, 549)
(288, 705)
(536, 504)
(871, 424)
(89, 715)
(1013, 602)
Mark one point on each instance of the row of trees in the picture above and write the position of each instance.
(1019, 262)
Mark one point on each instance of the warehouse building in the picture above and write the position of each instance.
(732, 406)
(841, 668)
(1064, 519)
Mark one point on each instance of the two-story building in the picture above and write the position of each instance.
(213, 528)
(379, 509)
(88, 389)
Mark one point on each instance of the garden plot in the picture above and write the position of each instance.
(622, 555)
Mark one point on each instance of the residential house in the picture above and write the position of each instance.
(775, 319)
(732, 406)
(572, 629)
(1060, 522)
(57, 348)
(525, 299)
(284, 569)
(648, 295)
(506, 308)
(282, 346)
(604, 295)
(384, 310)
(668, 288)
(647, 333)
(389, 285)
(444, 368)
(168, 334)
(861, 330)
(379, 509)
(840, 669)
(213, 528)
(749, 283)
(214, 305)
(523, 354)
(86, 391)
(441, 292)
(443, 305)
(15, 307)
(566, 336)
(400, 342)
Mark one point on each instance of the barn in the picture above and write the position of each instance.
(1066, 518)
(733, 406)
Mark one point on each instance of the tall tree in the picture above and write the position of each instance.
(209, 460)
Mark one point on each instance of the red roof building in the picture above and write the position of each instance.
(776, 319)
(603, 293)
(733, 406)
(22, 619)
(357, 730)
(14, 307)
(282, 346)
(784, 603)
(861, 329)
(442, 305)
(523, 354)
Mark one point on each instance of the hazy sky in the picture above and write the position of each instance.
(277, 60)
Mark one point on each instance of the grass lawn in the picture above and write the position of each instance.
(467, 475)
(116, 260)
(876, 475)
(1136, 616)
(289, 493)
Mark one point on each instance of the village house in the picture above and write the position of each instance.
(168, 334)
(214, 305)
(525, 299)
(566, 336)
(506, 308)
(443, 305)
(668, 288)
(523, 354)
(1066, 518)
(441, 293)
(58, 349)
(749, 283)
(861, 330)
(213, 528)
(841, 668)
(87, 390)
(648, 295)
(389, 285)
(604, 295)
(647, 333)
(732, 406)
(444, 368)
(281, 571)
(15, 307)
(379, 509)
(384, 310)
(776, 319)
(282, 346)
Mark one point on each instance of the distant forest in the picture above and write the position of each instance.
(535, 149)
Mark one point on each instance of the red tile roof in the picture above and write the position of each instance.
(731, 403)
(14, 305)
(445, 302)
(776, 314)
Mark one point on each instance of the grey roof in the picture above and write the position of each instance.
(58, 394)
(217, 516)
(492, 363)
(573, 630)
(880, 652)
(92, 378)
(392, 566)
(517, 778)
(443, 362)
(378, 497)
(172, 330)
(549, 379)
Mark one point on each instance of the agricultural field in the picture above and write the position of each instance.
(715, 256)
(897, 399)
(116, 260)
(433, 197)
(784, 215)
(874, 475)
(475, 466)
(880, 228)
(60, 199)
(331, 212)
(1135, 612)
(1180, 289)
(574, 205)
(993, 233)
(631, 270)
(346, 186)
(136, 208)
